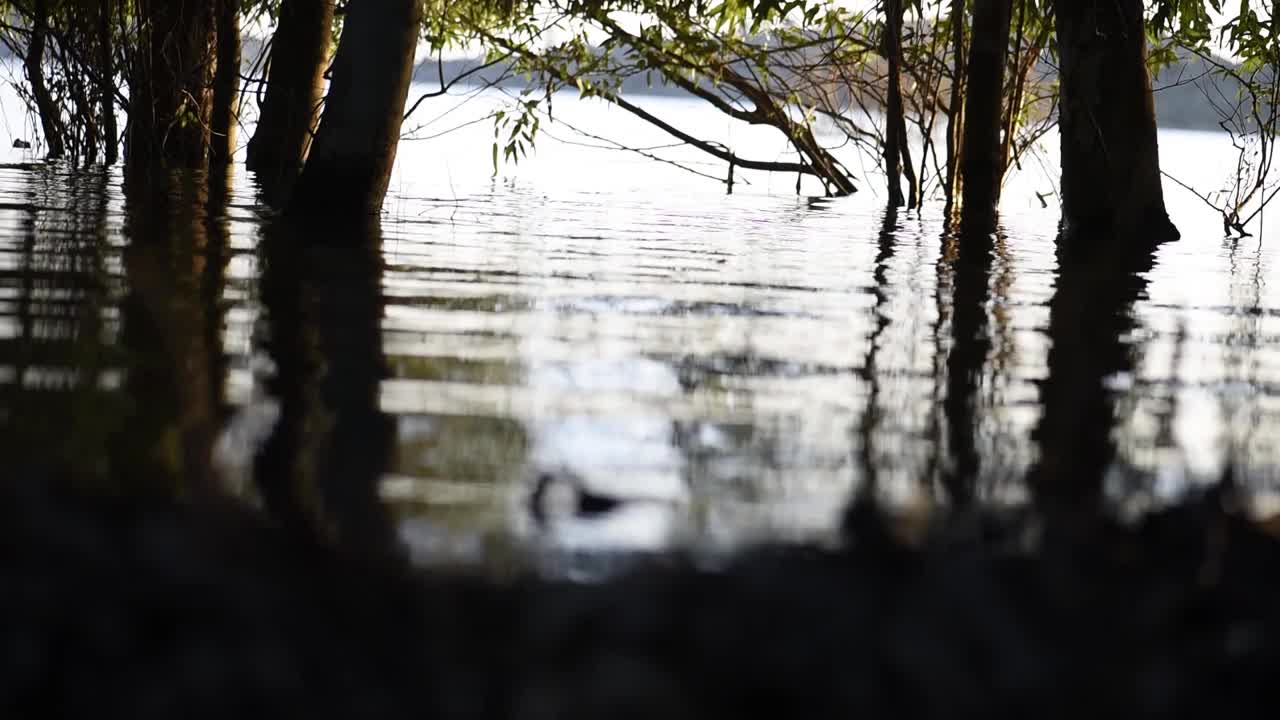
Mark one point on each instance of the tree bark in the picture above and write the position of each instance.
(226, 83)
(295, 84)
(955, 120)
(1111, 185)
(982, 163)
(50, 116)
(349, 167)
(170, 92)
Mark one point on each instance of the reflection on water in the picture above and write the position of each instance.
(540, 365)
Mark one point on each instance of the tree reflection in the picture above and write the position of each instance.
(171, 324)
(319, 471)
(967, 359)
(1090, 317)
(54, 352)
(870, 421)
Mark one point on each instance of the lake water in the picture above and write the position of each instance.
(697, 367)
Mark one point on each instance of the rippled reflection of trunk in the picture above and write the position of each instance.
(52, 410)
(217, 255)
(871, 413)
(174, 370)
(319, 471)
(970, 346)
(349, 167)
(295, 84)
(1088, 317)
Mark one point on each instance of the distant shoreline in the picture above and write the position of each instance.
(1178, 106)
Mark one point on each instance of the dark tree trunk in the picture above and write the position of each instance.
(349, 167)
(170, 93)
(295, 84)
(226, 83)
(955, 121)
(897, 154)
(106, 82)
(1111, 187)
(50, 116)
(982, 163)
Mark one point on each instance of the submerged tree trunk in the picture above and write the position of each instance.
(50, 116)
(982, 163)
(897, 155)
(226, 83)
(170, 92)
(350, 162)
(955, 121)
(295, 84)
(1111, 185)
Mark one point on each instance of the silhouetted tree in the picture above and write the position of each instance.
(226, 83)
(350, 162)
(170, 90)
(48, 111)
(295, 83)
(897, 153)
(106, 73)
(953, 182)
(1111, 185)
(982, 162)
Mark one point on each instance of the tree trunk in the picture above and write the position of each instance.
(1111, 186)
(982, 163)
(350, 163)
(106, 83)
(50, 116)
(955, 120)
(170, 93)
(226, 84)
(897, 156)
(295, 84)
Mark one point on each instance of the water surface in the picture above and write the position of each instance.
(720, 368)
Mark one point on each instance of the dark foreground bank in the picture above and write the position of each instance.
(155, 609)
